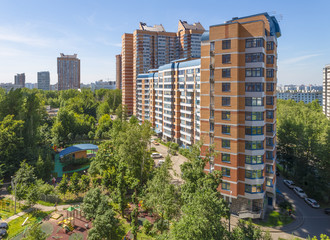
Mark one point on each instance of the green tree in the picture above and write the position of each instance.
(63, 186)
(74, 185)
(163, 196)
(103, 127)
(104, 226)
(35, 233)
(84, 183)
(95, 203)
(33, 195)
(247, 230)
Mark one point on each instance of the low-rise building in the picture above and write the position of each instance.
(302, 95)
(103, 84)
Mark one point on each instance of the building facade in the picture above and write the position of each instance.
(150, 47)
(44, 81)
(169, 98)
(326, 91)
(238, 109)
(20, 80)
(298, 96)
(68, 71)
(118, 71)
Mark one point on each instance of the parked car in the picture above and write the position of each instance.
(156, 143)
(300, 192)
(160, 163)
(289, 183)
(327, 210)
(156, 155)
(3, 225)
(312, 202)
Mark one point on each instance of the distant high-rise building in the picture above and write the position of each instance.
(118, 71)
(20, 80)
(68, 70)
(103, 85)
(326, 90)
(43, 81)
(151, 47)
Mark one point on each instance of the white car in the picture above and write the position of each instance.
(312, 202)
(299, 192)
(156, 155)
(289, 183)
(160, 163)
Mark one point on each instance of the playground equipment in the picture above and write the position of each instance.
(67, 224)
(25, 221)
(6, 205)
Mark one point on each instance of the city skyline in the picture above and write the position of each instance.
(40, 31)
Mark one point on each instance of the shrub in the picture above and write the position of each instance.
(153, 149)
(147, 226)
(285, 205)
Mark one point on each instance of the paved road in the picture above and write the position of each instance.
(176, 160)
(315, 221)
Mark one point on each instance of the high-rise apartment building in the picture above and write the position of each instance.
(169, 98)
(20, 80)
(118, 71)
(68, 70)
(301, 96)
(151, 47)
(238, 109)
(226, 99)
(326, 91)
(43, 81)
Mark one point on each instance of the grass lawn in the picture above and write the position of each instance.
(15, 226)
(6, 212)
(276, 219)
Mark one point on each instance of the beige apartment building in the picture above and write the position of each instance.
(326, 91)
(68, 71)
(150, 47)
(226, 98)
(118, 71)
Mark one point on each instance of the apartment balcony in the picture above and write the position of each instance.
(255, 65)
(256, 152)
(168, 121)
(270, 174)
(255, 137)
(254, 79)
(186, 141)
(255, 50)
(270, 134)
(270, 147)
(254, 166)
(254, 181)
(186, 126)
(186, 119)
(255, 108)
(254, 94)
(270, 189)
(259, 195)
(167, 115)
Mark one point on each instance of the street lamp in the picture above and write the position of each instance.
(229, 208)
(14, 186)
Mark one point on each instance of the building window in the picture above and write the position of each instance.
(270, 45)
(211, 127)
(253, 188)
(269, 128)
(225, 143)
(226, 58)
(226, 73)
(270, 142)
(269, 169)
(254, 145)
(254, 159)
(254, 57)
(254, 101)
(254, 130)
(226, 44)
(226, 87)
(254, 72)
(225, 157)
(211, 46)
(225, 101)
(269, 100)
(270, 59)
(269, 114)
(225, 129)
(225, 115)
(269, 155)
(270, 73)
(269, 87)
(254, 174)
(225, 172)
(254, 116)
(225, 186)
(269, 182)
(254, 87)
(254, 42)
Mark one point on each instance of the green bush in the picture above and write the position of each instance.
(147, 226)
(153, 149)
(285, 205)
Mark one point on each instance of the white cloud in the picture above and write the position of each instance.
(298, 59)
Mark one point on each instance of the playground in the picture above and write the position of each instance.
(65, 224)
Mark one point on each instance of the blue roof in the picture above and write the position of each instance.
(78, 148)
(166, 67)
(145, 75)
(205, 36)
(191, 63)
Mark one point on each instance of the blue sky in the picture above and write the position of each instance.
(33, 33)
